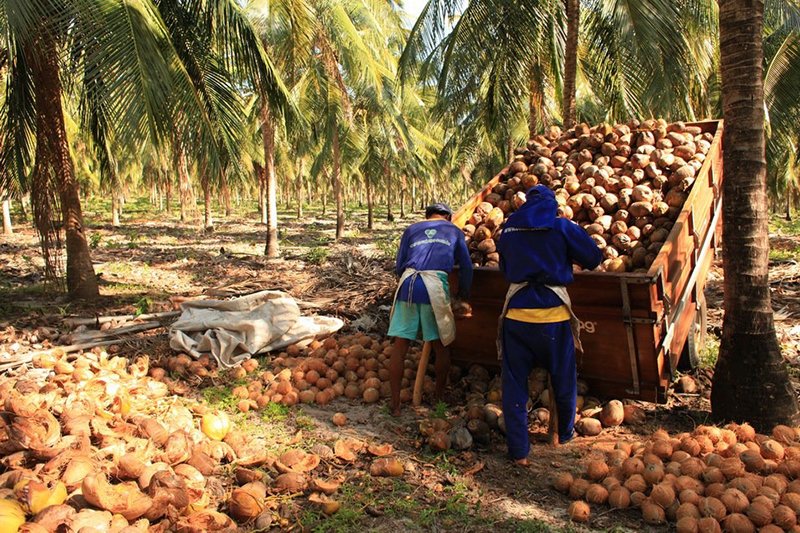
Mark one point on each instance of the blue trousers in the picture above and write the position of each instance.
(527, 346)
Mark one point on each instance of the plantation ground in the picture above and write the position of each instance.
(152, 261)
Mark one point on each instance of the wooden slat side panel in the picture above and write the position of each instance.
(701, 187)
(461, 216)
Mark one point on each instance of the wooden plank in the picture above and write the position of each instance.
(461, 216)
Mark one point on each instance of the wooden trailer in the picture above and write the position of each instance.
(635, 328)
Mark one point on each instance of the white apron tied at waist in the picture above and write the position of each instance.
(440, 304)
(559, 291)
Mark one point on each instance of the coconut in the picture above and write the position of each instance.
(633, 415)
(687, 509)
(579, 512)
(753, 462)
(791, 500)
(612, 414)
(578, 489)
(744, 432)
(738, 523)
(637, 498)
(562, 481)
(759, 513)
(732, 467)
(784, 434)
(619, 498)
(653, 473)
(663, 449)
(773, 450)
(686, 525)
(636, 483)
(712, 507)
(708, 525)
(692, 467)
(596, 494)
(386, 467)
(777, 482)
(596, 469)
(290, 482)
(784, 517)
(588, 427)
(653, 513)
(735, 501)
(689, 496)
(663, 495)
(632, 465)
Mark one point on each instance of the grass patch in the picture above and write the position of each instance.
(785, 255)
(440, 411)
(710, 352)
(220, 397)
(274, 412)
(317, 255)
(792, 227)
(388, 246)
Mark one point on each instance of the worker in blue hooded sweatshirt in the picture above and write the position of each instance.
(427, 253)
(537, 327)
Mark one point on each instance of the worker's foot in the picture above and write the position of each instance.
(522, 462)
(559, 441)
(394, 409)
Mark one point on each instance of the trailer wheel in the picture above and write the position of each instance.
(690, 356)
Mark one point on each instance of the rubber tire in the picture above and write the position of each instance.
(698, 331)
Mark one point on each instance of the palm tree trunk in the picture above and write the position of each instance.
(261, 176)
(370, 215)
(337, 185)
(569, 105)
(53, 160)
(208, 221)
(168, 191)
(535, 102)
(114, 207)
(324, 193)
(7, 229)
(750, 379)
(271, 249)
(387, 172)
(183, 180)
(300, 188)
(510, 148)
(23, 213)
(226, 194)
(403, 187)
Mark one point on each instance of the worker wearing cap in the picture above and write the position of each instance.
(537, 327)
(427, 253)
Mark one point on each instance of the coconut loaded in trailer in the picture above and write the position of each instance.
(649, 195)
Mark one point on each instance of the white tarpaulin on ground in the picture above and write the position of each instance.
(232, 331)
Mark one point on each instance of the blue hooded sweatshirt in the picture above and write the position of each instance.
(433, 245)
(538, 247)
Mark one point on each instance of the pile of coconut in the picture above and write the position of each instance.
(713, 479)
(98, 443)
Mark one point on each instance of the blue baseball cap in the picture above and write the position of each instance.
(438, 208)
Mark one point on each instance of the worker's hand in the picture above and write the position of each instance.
(461, 309)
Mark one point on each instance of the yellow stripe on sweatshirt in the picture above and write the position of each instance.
(540, 316)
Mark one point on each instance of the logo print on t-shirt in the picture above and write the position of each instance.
(430, 233)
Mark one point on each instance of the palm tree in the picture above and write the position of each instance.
(625, 52)
(750, 379)
(127, 60)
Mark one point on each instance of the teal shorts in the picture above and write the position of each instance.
(408, 319)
